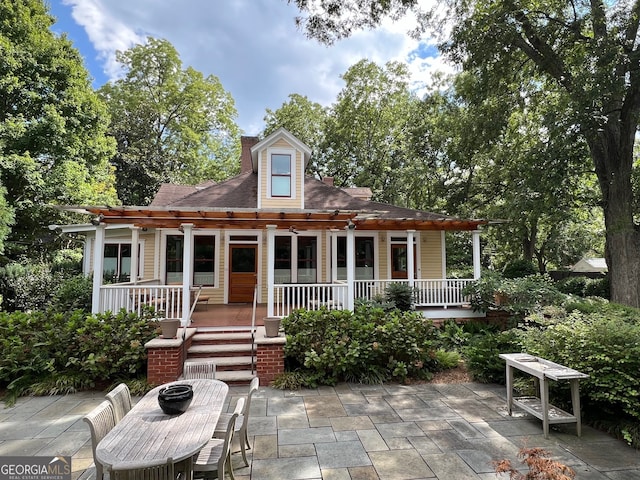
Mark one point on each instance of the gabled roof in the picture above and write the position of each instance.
(281, 133)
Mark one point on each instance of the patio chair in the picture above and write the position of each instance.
(242, 424)
(101, 420)
(120, 399)
(216, 454)
(165, 471)
(199, 369)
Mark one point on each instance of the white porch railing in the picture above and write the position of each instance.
(310, 296)
(428, 293)
(166, 299)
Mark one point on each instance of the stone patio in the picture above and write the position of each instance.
(351, 431)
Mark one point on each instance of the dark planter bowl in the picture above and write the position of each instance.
(175, 399)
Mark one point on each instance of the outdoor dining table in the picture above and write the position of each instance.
(147, 437)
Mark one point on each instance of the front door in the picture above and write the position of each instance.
(243, 273)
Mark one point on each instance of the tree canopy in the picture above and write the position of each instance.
(171, 124)
(53, 144)
(584, 53)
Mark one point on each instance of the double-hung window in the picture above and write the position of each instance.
(117, 262)
(204, 249)
(280, 175)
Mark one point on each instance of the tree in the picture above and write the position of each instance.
(53, 143)
(304, 119)
(586, 52)
(170, 124)
(366, 133)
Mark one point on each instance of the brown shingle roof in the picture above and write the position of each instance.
(242, 192)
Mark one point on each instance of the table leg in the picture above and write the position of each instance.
(544, 400)
(575, 404)
(509, 379)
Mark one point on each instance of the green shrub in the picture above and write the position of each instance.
(529, 294)
(572, 285)
(605, 345)
(369, 345)
(401, 295)
(27, 287)
(453, 336)
(481, 293)
(598, 287)
(519, 268)
(482, 355)
(446, 359)
(74, 293)
(61, 352)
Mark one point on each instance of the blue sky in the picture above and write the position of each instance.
(252, 46)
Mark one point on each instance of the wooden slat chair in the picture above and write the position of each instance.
(101, 420)
(120, 399)
(165, 471)
(242, 424)
(216, 454)
(194, 369)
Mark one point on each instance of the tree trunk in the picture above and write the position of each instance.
(612, 154)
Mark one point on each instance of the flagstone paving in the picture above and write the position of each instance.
(351, 432)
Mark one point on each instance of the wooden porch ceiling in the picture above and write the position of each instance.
(254, 219)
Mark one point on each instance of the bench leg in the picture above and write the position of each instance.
(544, 400)
(509, 380)
(575, 404)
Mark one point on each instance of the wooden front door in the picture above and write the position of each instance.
(243, 272)
(399, 265)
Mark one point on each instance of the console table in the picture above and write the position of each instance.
(543, 371)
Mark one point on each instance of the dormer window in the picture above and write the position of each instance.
(280, 175)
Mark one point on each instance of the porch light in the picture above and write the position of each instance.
(293, 230)
(351, 225)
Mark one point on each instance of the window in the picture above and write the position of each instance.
(204, 247)
(364, 258)
(280, 175)
(117, 262)
(175, 247)
(307, 257)
(204, 250)
(282, 260)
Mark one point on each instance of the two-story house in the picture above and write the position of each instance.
(272, 234)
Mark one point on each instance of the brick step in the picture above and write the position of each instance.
(226, 350)
(221, 338)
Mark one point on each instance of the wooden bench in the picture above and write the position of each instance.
(543, 371)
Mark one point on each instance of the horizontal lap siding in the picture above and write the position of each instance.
(431, 254)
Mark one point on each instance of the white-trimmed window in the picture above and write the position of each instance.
(204, 259)
(364, 257)
(281, 174)
(116, 266)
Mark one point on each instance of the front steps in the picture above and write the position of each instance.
(230, 350)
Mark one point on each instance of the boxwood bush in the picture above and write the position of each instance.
(50, 353)
(369, 345)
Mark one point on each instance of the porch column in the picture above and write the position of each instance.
(135, 239)
(334, 256)
(351, 270)
(411, 273)
(271, 237)
(98, 266)
(476, 254)
(187, 271)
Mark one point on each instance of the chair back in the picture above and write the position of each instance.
(120, 399)
(199, 369)
(101, 420)
(228, 438)
(253, 388)
(165, 471)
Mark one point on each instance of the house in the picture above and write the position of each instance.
(590, 265)
(270, 235)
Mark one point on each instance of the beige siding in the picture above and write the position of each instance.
(263, 168)
(431, 254)
(383, 255)
(149, 255)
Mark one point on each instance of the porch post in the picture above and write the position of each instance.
(187, 271)
(476, 254)
(334, 255)
(271, 236)
(410, 258)
(351, 271)
(98, 265)
(135, 239)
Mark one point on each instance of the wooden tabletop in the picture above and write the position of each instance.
(146, 436)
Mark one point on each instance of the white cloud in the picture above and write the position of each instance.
(253, 46)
